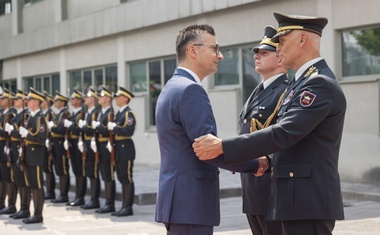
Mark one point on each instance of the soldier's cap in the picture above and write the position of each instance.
(90, 93)
(33, 94)
(59, 96)
(48, 97)
(20, 94)
(76, 94)
(105, 92)
(124, 92)
(266, 43)
(6, 94)
(288, 23)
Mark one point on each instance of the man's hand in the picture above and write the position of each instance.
(207, 147)
(263, 166)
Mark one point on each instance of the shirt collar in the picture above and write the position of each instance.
(303, 68)
(90, 109)
(197, 80)
(104, 110)
(269, 81)
(77, 110)
(122, 108)
(33, 113)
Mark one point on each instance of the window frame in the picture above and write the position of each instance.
(42, 78)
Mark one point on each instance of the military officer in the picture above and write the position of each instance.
(35, 134)
(123, 128)
(12, 128)
(77, 162)
(48, 162)
(58, 134)
(106, 163)
(5, 159)
(92, 157)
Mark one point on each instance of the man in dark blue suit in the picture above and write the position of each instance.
(188, 191)
(259, 112)
(305, 190)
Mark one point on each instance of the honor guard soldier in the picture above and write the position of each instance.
(5, 159)
(48, 161)
(123, 128)
(35, 135)
(102, 145)
(58, 134)
(92, 158)
(77, 162)
(12, 128)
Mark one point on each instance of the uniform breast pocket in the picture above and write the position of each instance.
(293, 184)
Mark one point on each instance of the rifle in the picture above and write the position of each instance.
(112, 154)
(7, 118)
(82, 135)
(22, 141)
(96, 135)
(67, 135)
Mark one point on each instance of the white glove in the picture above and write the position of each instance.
(50, 124)
(80, 146)
(111, 126)
(47, 143)
(23, 132)
(6, 150)
(81, 123)
(109, 147)
(67, 123)
(8, 128)
(95, 124)
(66, 144)
(93, 145)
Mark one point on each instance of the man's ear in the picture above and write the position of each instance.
(191, 50)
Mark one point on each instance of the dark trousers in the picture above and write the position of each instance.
(188, 229)
(309, 227)
(260, 226)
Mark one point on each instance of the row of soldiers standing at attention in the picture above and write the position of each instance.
(93, 140)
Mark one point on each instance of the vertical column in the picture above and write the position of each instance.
(62, 73)
(60, 10)
(17, 6)
(121, 78)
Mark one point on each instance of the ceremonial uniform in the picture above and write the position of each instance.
(5, 159)
(61, 163)
(91, 163)
(48, 160)
(19, 177)
(106, 167)
(76, 157)
(123, 129)
(35, 135)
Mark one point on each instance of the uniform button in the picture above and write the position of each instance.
(260, 115)
(291, 174)
(245, 121)
(32, 149)
(122, 145)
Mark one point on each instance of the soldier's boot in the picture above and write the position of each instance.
(3, 194)
(12, 195)
(128, 196)
(80, 191)
(50, 185)
(95, 194)
(110, 198)
(64, 184)
(25, 196)
(38, 200)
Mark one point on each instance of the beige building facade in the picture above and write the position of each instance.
(73, 44)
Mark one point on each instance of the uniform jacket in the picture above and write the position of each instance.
(19, 120)
(255, 190)
(123, 131)
(4, 137)
(35, 140)
(188, 190)
(103, 135)
(305, 142)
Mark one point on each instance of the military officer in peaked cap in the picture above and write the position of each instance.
(305, 190)
(48, 161)
(58, 135)
(102, 144)
(35, 134)
(123, 128)
(77, 161)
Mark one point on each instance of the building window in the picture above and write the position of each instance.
(81, 80)
(11, 85)
(155, 73)
(30, 1)
(361, 52)
(5, 7)
(228, 69)
(49, 83)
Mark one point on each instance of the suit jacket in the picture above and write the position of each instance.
(255, 190)
(305, 142)
(188, 190)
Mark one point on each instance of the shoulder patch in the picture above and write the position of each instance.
(42, 128)
(130, 121)
(307, 99)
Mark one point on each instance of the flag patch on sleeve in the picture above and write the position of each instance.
(307, 99)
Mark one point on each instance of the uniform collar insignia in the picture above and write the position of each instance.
(311, 70)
